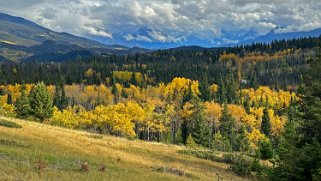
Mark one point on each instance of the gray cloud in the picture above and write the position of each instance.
(177, 18)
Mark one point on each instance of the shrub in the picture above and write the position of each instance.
(171, 170)
(229, 158)
(103, 168)
(41, 165)
(241, 166)
(265, 149)
(9, 124)
(204, 154)
(84, 166)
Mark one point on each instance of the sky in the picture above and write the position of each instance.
(167, 21)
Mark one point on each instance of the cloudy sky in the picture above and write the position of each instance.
(167, 20)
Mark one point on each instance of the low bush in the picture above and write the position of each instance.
(204, 154)
(241, 166)
(84, 166)
(11, 143)
(9, 124)
(171, 170)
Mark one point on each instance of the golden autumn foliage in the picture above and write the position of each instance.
(227, 56)
(265, 96)
(153, 108)
(213, 88)
(179, 86)
(126, 75)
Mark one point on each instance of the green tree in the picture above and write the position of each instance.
(41, 103)
(200, 130)
(227, 127)
(265, 148)
(22, 105)
(266, 125)
(243, 143)
(299, 150)
(190, 141)
(221, 143)
(133, 79)
(60, 100)
(9, 98)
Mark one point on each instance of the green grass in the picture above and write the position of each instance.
(43, 152)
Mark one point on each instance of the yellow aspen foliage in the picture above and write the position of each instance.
(213, 88)
(213, 112)
(113, 119)
(170, 113)
(179, 86)
(89, 73)
(258, 113)
(227, 56)
(65, 118)
(7, 109)
(194, 88)
(251, 121)
(238, 112)
(187, 110)
(134, 111)
(126, 75)
(254, 137)
(277, 123)
(266, 96)
(51, 89)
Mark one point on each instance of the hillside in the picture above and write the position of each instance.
(62, 151)
(21, 39)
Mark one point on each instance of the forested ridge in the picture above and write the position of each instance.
(260, 101)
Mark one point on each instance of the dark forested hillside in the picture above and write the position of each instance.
(277, 65)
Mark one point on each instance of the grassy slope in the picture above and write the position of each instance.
(63, 150)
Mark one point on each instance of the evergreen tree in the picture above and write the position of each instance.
(22, 105)
(200, 130)
(246, 105)
(190, 141)
(227, 127)
(185, 130)
(60, 100)
(57, 97)
(133, 79)
(64, 100)
(266, 125)
(9, 98)
(265, 149)
(115, 92)
(204, 89)
(188, 96)
(299, 150)
(2, 91)
(41, 103)
(243, 143)
(221, 143)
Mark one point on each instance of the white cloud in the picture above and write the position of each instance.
(175, 19)
(154, 36)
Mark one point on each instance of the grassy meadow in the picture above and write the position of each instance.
(43, 152)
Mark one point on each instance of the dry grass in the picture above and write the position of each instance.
(64, 151)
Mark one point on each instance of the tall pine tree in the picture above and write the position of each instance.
(41, 104)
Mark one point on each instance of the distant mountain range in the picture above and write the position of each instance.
(21, 39)
(144, 38)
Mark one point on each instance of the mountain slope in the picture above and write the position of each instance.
(22, 39)
(285, 36)
(26, 33)
(60, 152)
